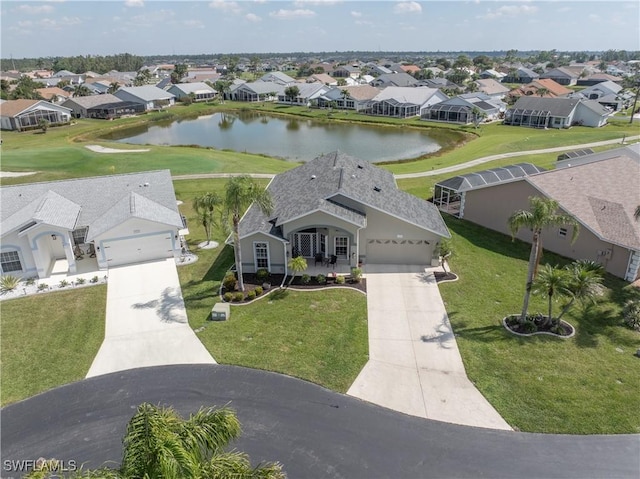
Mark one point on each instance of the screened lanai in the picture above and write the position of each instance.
(526, 117)
(449, 194)
(446, 112)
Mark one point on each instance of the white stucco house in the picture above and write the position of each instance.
(112, 220)
(152, 97)
(343, 209)
(21, 115)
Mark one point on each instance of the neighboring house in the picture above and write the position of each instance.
(256, 91)
(598, 78)
(278, 78)
(463, 108)
(197, 91)
(562, 76)
(520, 75)
(441, 83)
(98, 87)
(105, 106)
(152, 97)
(492, 88)
(545, 88)
(53, 94)
(411, 69)
(322, 78)
(556, 113)
(307, 93)
(125, 219)
(494, 74)
(608, 94)
(404, 102)
(375, 69)
(346, 71)
(357, 99)
(337, 205)
(21, 115)
(601, 191)
(394, 79)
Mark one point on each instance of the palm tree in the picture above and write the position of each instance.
(159, 443)
(543, 91)
(296, 265)
(552, 282)
(542, 215)
(81, 90)
(345, 95)
(240, 193)
(585, 280)
(113, 87)
(204, 206)
(636, 214)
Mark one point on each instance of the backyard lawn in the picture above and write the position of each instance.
(584, 385)
(49, 339)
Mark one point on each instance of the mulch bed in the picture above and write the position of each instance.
(512, 324)
(251, 282)
(441, 276)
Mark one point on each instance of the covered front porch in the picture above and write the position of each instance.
(326, 249)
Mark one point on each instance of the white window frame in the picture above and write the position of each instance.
(335, 247)
(17, 259)
(256, 257)
(76, 233)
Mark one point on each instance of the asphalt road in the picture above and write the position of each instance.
(313, 432)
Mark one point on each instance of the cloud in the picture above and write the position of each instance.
(305, 3)
(134, 3)
(225, 6)
(509, 11)
(253, 18)
(152, 19)
(59, 23)
(193, 23)
(355, 14)
(407, 7)
(35, 9)
(363, 22)
(25, 24)
(292, 14)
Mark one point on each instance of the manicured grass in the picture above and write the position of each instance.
(584, 385)
(317, 336)
(49, 339)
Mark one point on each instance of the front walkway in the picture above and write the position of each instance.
(146, 322)
(414, 364)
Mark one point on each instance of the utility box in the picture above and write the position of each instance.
(220, 312)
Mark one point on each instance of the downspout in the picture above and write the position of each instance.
(286, 264)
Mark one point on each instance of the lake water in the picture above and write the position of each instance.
(291, 139)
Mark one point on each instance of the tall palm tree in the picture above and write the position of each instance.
(543, 91)
(81, 90)
(204, 205)
(240, 193)
(345, 94)
(542, 215)
(113, 87)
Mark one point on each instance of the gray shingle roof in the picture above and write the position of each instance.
(145, 92)
(91, 201)
(561, 107)
(342, 186)
(92, 100)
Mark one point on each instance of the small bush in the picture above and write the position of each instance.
(30, 281)
(340, 280)
(251, 295)
(356, 275)
(305, 279)
(9, 283)
(81, 281)
(237, 297)
(262, 274)
(321, 279)
(258, 290)
(228, 297)
(229, 282)
(43, 286)
(63, 283)
(528, 327)
(94, 279)
(631, 314)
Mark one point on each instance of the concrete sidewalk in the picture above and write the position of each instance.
(414, 364)
(146, 322)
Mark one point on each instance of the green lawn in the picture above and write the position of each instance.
(584, 385)
(49, 339)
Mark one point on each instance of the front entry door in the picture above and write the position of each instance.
(305, 244)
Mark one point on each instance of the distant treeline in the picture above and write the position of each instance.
(123, 62)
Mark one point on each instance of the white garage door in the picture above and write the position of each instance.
(138, 249)
(398, 251)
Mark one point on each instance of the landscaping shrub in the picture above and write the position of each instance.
(251, 295)
(356, 275)
(9, 283)
(237, 297)
(80, 281)
(340, 280)
(43, 286)
(229, 282)
(228, 297)
(631, 314)
(321, 279)
(258, 290)
(94, 279)
(305, 279)
(30, 281)
(262, 274)
(63, 283)
(528, 327)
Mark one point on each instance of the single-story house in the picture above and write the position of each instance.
(561, 75)
(152, 97)
(98, 87)
(357, 99)
(20, 115)
(598, 78)
(200, 91)
(341, 208)
(600, 191)
(105, 106)
(609, 94)
(256, 91)
(112, 220)
(404, 102)
(278, 78)
(400, 79)
(545, 88)
(345, 71)
(492, 74)
(53, 94)
(307, 93)
(493, 88)
(556, 113)
(461, 109)
(324, 78)
(520, 75)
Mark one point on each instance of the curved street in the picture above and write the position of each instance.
(313, 432)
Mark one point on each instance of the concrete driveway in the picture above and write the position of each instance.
(414, 364)
(146, 322)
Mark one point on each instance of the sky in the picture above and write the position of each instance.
(32, 29)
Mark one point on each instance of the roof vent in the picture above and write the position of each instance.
(313, 177)
(360, 167)
(377, 189)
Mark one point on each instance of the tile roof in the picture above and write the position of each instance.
(14, 107)
(417, 96)
(602, 195)
(93, 100)
(93, 201)
(343, 186)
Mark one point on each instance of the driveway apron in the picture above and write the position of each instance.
(414, 363)
(146, 322)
